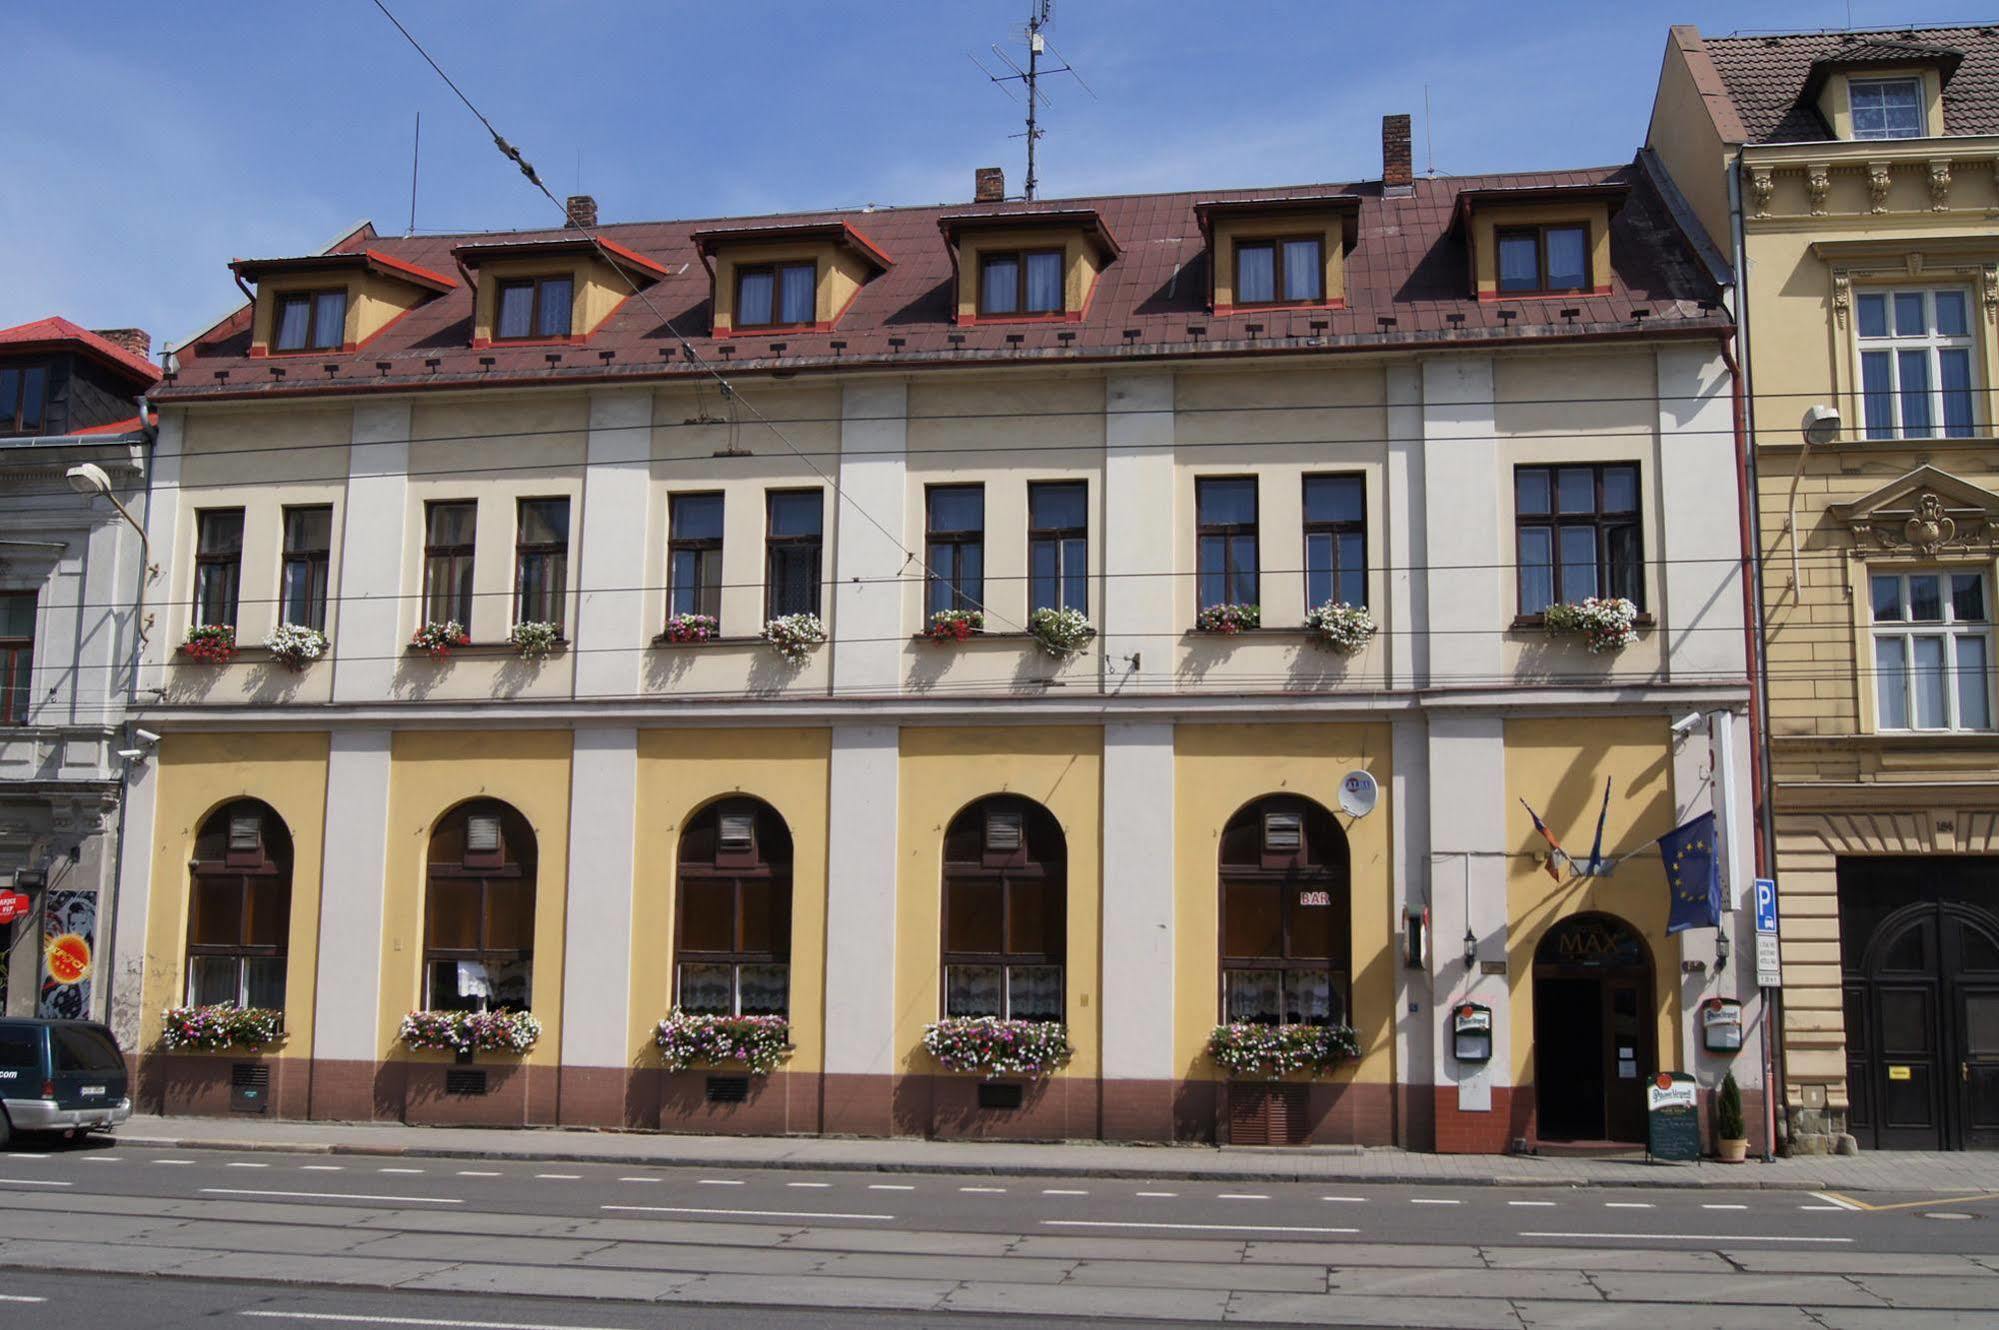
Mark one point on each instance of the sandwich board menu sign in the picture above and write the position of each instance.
(1672, 1117)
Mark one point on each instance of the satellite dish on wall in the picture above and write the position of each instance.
(1358, 793)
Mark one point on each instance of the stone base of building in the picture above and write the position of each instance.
(222, 1084)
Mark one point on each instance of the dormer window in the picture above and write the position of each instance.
(24, 391)
(1021, 282)
(534, 308)
(777, 295)
(1277, 251)
(1543, 258)
(310, 320)
(1289, 270)
(1887, 108)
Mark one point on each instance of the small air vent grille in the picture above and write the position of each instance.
(1003, 831)
(249, 1087)
(999, 1094)
(1283, 833)
(466, 1082)
(244, 833)
(738, 832)
(728, 1089)
(482, 834)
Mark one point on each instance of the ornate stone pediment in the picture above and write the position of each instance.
(1926, 513)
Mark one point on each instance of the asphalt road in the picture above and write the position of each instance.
(398, 1238)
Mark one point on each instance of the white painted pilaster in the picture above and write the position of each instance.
(860, 900)
(351, 886)
(1135, 614)
(867, 627)
(1699, 519)
(1468, 881)
(1409, 807)
(1467, 596)
(1137, 1003)
(368, 635)
(596, 979)
(132, 903)
(612, 547)
(1406, 534)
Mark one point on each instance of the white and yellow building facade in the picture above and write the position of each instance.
(635, 822)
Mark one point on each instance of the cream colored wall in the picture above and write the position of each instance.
(944, 770)
(1220, 768)
(430, 773)
(1080, 264)
(198, 774)
(680, 772)
(1329, 230)
(1559, 767)
(1692, 150)
(1487, 221)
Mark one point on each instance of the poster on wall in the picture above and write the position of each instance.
(69, 938)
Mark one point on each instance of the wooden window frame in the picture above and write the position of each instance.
(17, 423)
(1005, 871)
(318, 564)
(1600, 519)
(230, 560)
(1227, 532)
(243, 871)
(312, 329)
(1291, 873)
(776, 268)
(1333, 528)
(1540, 230)
(703, 548)
(486, 871)
(462, 602)
(737, 868)
(1020, 258)
(958, 598)
(555, 553)
(775, 544)
(1057, 536)
(1277, 244)
(17, 664)
(534, 334)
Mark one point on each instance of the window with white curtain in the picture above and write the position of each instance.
(1932, 651)
(1916, 363)
(1886, 108)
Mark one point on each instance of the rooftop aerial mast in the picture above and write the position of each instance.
(1038, 17)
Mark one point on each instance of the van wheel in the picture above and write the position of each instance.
(6, 1129)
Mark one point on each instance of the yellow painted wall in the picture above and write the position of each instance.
(679, 773)
(943, 770)
(1217, 770)
(1558, 766)
(373, 302)
(1080, 264)
(1683, 133)
(430, 773)
(1328, 228)
(596, 289)
(840, 275)
(197, 774)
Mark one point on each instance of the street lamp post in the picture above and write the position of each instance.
(88, 478)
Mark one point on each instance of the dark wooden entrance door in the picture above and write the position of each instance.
(1593, 1031)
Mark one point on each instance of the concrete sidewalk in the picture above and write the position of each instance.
(1881, 1171)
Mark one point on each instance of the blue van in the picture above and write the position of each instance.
(65, 1076)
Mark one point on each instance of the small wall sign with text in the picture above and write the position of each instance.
(1315, 898)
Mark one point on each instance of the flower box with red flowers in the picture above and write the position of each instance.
(210, 643)
(955, 625)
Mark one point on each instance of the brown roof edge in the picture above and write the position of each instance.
(1707, 82)
(1613, 192)
(473, 253)
(1347, 205)
(707, 241)
(1877, 55)
(253, 270)
(1092, 225)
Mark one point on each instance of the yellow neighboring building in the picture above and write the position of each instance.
(1851, 175)
(1165, 586)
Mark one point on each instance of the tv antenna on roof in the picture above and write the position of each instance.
(1038, 17)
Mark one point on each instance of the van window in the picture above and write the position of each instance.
(21, 1048)
(86, 1050)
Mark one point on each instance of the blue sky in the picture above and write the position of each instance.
(148, 144)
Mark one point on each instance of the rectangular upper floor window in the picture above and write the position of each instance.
(1886, 108)
(1021, 282)
(1932, 651)
(1916, 363)
(532, 308)
(309, 320)
(1225, 540)
(694, 555)
(307, 559)
(793, 523)
(1534, 259)
(450, 540)
(1289, 271)
(218, 565)
(955, 530)
(1578, 533)
(17, 654)
(1058, 546)
(24, 396)
(541, 560)
(781, 295)
(1335, 540)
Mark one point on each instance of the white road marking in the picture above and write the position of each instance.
(241, 1165)
(173, 1161)
(721, 1182)
(1711, 1206)
(475, 1173)
(399, 1170)
(985, 1191)
(31, 1182)
(1943, 1214)
(1628, 1205)
(1352, 1200)
(815, 1186)
(19, 1297)
(322, 1168)
(751, 1214)
(100, 1159)
(40, 1159)
(559, 1177)
(641, 1179)
(342, 1318)
(890, 1186)
(1061, 1191)
(1836, 1202)
(1156, 1193)
(1429, 1200)
(1242, 1196)
(1203, 1228)
(1836, 1209)
(1533, 1203)
(1683, 1237)
(331, 1196)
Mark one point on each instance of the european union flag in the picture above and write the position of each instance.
(1693, 875)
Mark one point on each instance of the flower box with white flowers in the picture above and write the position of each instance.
(1605, 624)
(1059, 633)
(295, 646)
(793, 636)
(535, 640)
(1228, 620)
(1260, 1051)
(688, 1040)
(466, 1032)
(219, 1027)
(1339, 627)
(993, 1046)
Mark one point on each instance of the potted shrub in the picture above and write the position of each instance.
(467, 1031)
(534, 640)
(295, 646)
(210, 643)
(688, 1040)
(996, 1047)
(1730, 1133)
(1228, 620)
(224, 1025)
(1605, 624)
(692, 628)
(438, 640)
(1059, 633)
(1339, 627)
(955, 625)
(793, 636)
(1277, 1050)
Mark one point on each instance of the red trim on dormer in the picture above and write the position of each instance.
(1494, 297)
(1062, 316)
(507, 343)
(1231, 311)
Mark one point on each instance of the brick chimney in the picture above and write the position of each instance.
(1398, 175)
(989, 185)
(583, 209)
(136, 340)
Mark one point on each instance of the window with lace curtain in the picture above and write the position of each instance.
(1005, 911)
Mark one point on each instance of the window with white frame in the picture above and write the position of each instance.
(1916, 351)
(1932, 651)
(1886, 108)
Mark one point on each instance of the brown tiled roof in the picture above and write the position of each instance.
(1767, 76)
(1407, 285)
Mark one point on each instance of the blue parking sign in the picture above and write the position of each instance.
(1766, 905)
